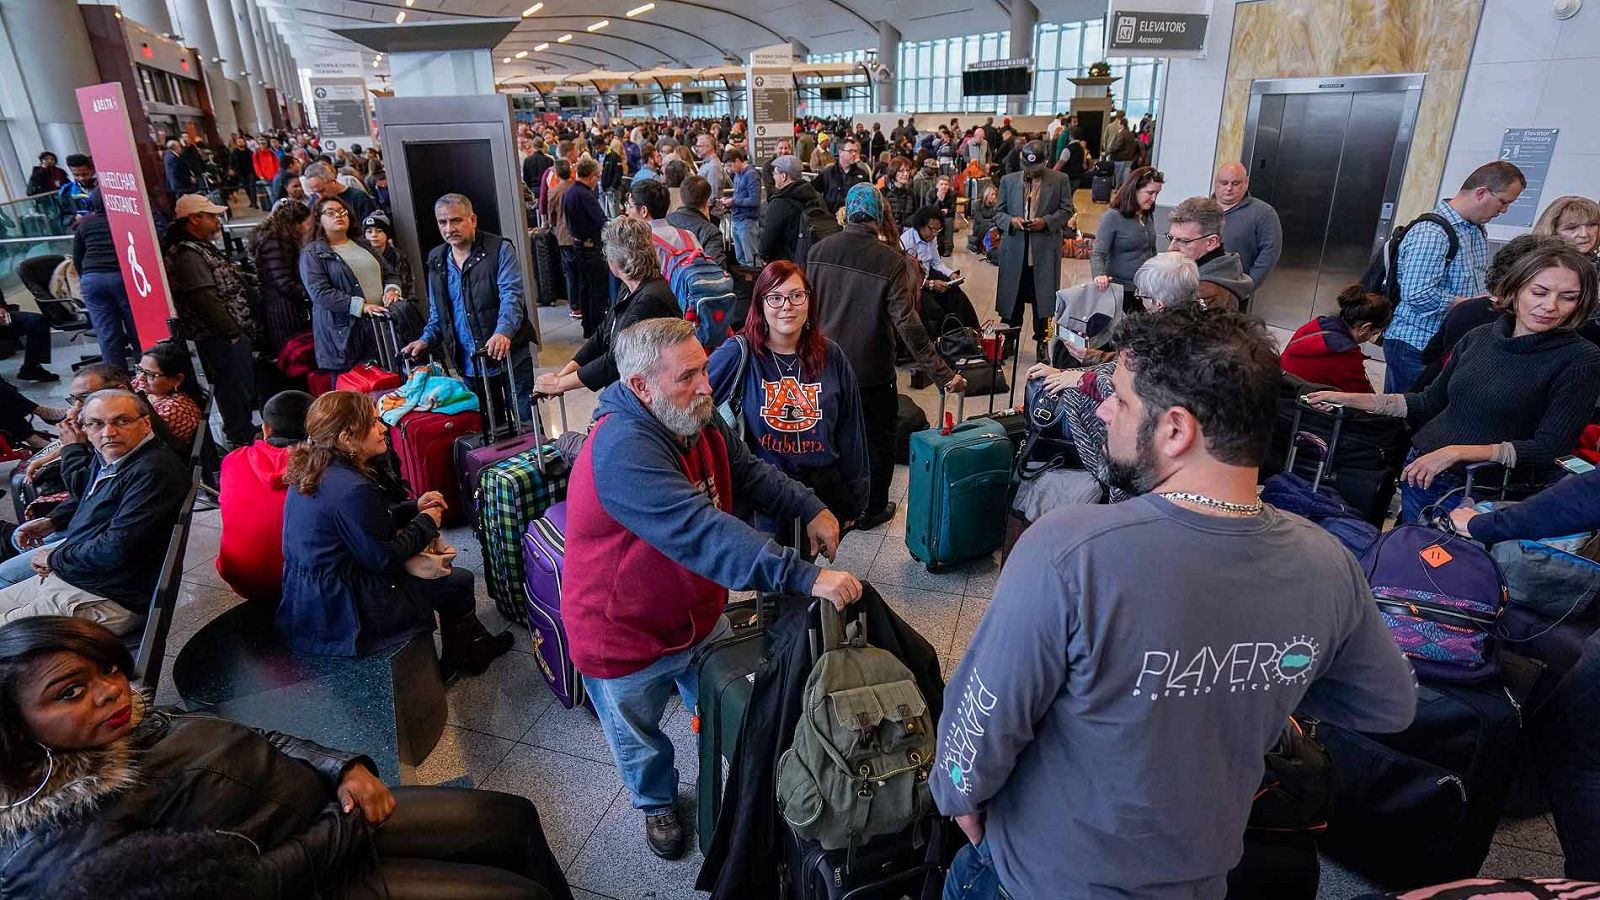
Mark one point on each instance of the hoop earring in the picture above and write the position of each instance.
(49, 769)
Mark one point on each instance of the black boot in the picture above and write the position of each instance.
(469, 647)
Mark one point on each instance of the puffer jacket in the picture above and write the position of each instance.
(285, 308)
(1322, 351)
(182, 771)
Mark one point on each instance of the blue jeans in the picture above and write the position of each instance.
(1413, 499)
(111, 316)
(20, 567)
(1568, 750)
(1402, 365)
(746, 232)
(630, 711)
(972, 875)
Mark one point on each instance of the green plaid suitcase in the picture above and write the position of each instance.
(511, 493)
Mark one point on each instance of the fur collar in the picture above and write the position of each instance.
(80, 782)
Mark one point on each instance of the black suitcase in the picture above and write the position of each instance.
(909, 418)
(1364, 452)
(547, 276)
(1420, 807)
(892, 867)
(1100, 188)
(726, 673)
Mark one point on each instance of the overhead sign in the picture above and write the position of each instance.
(344, 116)
(1021, 62)
(133, 227)
(769, 91)
(337, 65)
(1529, 149)
(1164, 28)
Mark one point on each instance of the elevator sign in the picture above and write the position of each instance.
(1529, 149)
(1164, 28)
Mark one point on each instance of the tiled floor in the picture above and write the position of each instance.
(506, 732)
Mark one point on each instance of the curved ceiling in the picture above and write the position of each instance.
(674, 34)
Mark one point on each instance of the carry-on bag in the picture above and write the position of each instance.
(425, 443)
(387, 371)
(960, 478)
(892, 867)
(909, 419)
(1100, 188)
(726, 674)
(544, 551)
(506, 436)
(1363, 455)
(548, 279)
(1421, 806)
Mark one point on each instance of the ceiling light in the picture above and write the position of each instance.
(598, 25)
(522, 54)
(564, 38)
(374, 64)
(411, 3)
(506, 60)
(532, 9)
(543, 46)
(640, 10)
(400, 18)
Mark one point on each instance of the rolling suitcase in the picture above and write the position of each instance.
(726, 674)
(891, 867)
(425, 443)
(550, 284)
(383, 375)
(503, 439)
(544, 550)
(960, 478)
(1100, 188)
(1362, 456)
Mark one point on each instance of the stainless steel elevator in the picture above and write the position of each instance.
(1329, 155)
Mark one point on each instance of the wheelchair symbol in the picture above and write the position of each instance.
(141, 281)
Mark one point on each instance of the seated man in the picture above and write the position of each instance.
(1056, 751)
(41, 475)
(250, 558)
(126, 494)
(653, 547)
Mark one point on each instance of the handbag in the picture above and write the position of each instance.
(959, 343)
(1049, 443)
(434, 561)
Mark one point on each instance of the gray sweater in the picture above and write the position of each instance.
(1122, 245)
(1252, 230)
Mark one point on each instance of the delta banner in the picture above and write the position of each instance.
(133, 226)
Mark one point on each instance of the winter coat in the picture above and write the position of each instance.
(250, 558)
(191, 771)
(330, 284)
(285, 307)
(345, 588)
(1223, 269)
(653, 299)
(1323, 352)
(1041, 248)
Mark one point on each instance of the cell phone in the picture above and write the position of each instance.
(1577, 465)
(959, 279)
(1074, 338)
(1323, 405)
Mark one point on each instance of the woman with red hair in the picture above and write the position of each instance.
(793, 394)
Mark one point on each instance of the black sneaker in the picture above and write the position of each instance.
(37, 373)
(664, 834)
(873, 520)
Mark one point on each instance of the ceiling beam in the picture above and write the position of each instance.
(721, 50)
(503, 50)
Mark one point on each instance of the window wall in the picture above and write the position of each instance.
(857, 99)
(928, 78)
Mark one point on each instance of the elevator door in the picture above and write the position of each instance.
(1328, 155)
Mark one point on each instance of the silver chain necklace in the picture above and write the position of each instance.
(1243, 509)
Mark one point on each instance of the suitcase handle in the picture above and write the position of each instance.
(382, 323)
(827, 629)
(514, 425)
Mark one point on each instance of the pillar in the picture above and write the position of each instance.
(194, 23)
(889, 56)
(259, 116)
(1024, 15)
(52, 48)
(235, 62)
(258, 38)
(153, 14)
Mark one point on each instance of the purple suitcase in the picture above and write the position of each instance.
(544, 549)
(501, 441)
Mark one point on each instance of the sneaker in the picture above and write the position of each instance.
(873, 520)
(664, 834)
(37, 373)
(574, 314)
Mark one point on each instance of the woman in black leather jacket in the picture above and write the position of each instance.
(84, 762)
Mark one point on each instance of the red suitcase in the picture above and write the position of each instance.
(383, 375)
(425, 443)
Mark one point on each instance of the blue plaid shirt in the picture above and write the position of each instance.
(1427, 286)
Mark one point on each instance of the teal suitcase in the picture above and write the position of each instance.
(960, 482)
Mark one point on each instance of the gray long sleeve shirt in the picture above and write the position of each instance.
(1122, 245)
(1112, 713)
(1252, 230)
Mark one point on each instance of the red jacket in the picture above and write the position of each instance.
(251, 557)
(266, 163)
(1323, 352)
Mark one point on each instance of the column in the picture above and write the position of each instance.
(1024, 15)
(259, 116)
(258, 37)
(52, 47)
(235, 63)
(194, 23)
(889, 56)
(291, 76)
(152, 14)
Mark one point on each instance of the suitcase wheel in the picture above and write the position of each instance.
(933, 567)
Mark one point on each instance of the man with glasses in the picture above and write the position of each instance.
(836, 180)
(940, 288)
(1436, 269)
(126, 489)
(1194, 229)
(216, 310)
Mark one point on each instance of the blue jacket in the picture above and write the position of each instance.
(747, 195)
(180, 177)
(1569, 506)
(345, 588)
(330, 284)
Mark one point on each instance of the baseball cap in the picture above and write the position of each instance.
(788, 165)
(190, 204)
(1034, 155)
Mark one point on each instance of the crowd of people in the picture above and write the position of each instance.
(741, 468)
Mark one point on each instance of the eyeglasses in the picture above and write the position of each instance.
(336, 212)
(776, 300)
(1174, 239)
(147, 373)
(75, 399)
(119, 423)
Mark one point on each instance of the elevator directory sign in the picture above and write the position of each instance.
(1529, 149)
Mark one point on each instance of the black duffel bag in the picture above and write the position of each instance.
(1048, 444)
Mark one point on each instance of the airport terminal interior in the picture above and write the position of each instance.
(969, 449)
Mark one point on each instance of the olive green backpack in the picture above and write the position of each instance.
(863, 746)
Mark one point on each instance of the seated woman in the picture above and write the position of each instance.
(1517, 391)
(85, 761)
(941, 300)
(346, 591)
(165, 376)
(796, 393)
(1327, 349)
(631, 255)
(347, 282)
(1468, 314)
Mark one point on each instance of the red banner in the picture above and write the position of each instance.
(133, 227)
